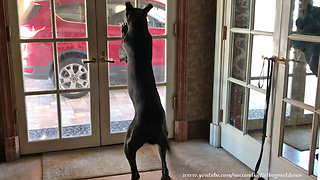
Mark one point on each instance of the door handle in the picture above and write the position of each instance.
(85, 61)
(104, 59)
(281, 60)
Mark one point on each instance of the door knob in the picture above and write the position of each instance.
(104, 59)
(85, 61)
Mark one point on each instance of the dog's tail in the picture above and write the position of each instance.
(168, 145)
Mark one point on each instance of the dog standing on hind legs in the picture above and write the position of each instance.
(149, 123)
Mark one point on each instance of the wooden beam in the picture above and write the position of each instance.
(7, 114)
(181, 64)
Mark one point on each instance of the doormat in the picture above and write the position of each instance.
(299, 137)
(95, 162)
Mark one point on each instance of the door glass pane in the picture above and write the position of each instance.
(73, 73)
(256, 114)
(302, 80)
(262, 45)
(118, 70)
(236, 105)
(116, 16)
(241, 13)
(122, 110)
(75, 115)
(42, 118)
(156, 16)
(35, 19)
(38, 66)
(71, 19)
(264, 21)
(240, 54)
(297, 136)
(306, 17)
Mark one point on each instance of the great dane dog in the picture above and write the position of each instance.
(149, 123)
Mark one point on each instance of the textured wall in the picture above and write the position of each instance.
(201, 35)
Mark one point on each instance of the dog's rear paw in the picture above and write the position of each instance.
(136, 177)
(166, 177)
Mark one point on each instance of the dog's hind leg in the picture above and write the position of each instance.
(130, 151)
(163, 146)
(131, 146)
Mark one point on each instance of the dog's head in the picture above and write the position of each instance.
(136, 17)
(309, 21)
(136, 21)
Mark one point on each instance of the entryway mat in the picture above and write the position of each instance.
(299, 137)
(95, 162)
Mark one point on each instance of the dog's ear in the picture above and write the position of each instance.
(147, 9)
(129, 7)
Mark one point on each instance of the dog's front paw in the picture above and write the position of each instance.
(124, 29)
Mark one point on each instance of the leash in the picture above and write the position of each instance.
(264, 126)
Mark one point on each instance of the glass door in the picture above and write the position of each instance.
(68, 93)
(250, 34)
(296, 121)
(116, 110)
(53, 45)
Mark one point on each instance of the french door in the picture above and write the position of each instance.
(249, 35)
(295, 141)
(70, 85)
(287, 30)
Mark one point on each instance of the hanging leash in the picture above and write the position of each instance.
(264, 126)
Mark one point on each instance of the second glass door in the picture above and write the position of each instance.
(116, 110)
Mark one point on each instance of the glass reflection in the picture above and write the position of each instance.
(262, 21)
(262, 45)
(35, 19)
(71, 19)
(241, 13)
(256, 114)
(240, 54)
(236, 106)
(297, 136)
(302, 79)
(156, 16)
(306, 17)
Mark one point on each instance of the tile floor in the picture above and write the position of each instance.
(192, 158)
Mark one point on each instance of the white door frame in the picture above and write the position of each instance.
(237, 142)
(56, 144)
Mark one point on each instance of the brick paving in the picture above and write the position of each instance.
(42, 109)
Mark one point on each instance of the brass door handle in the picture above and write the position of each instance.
(109, 60)
(281, 60)
(85, 61)
(104, 59)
